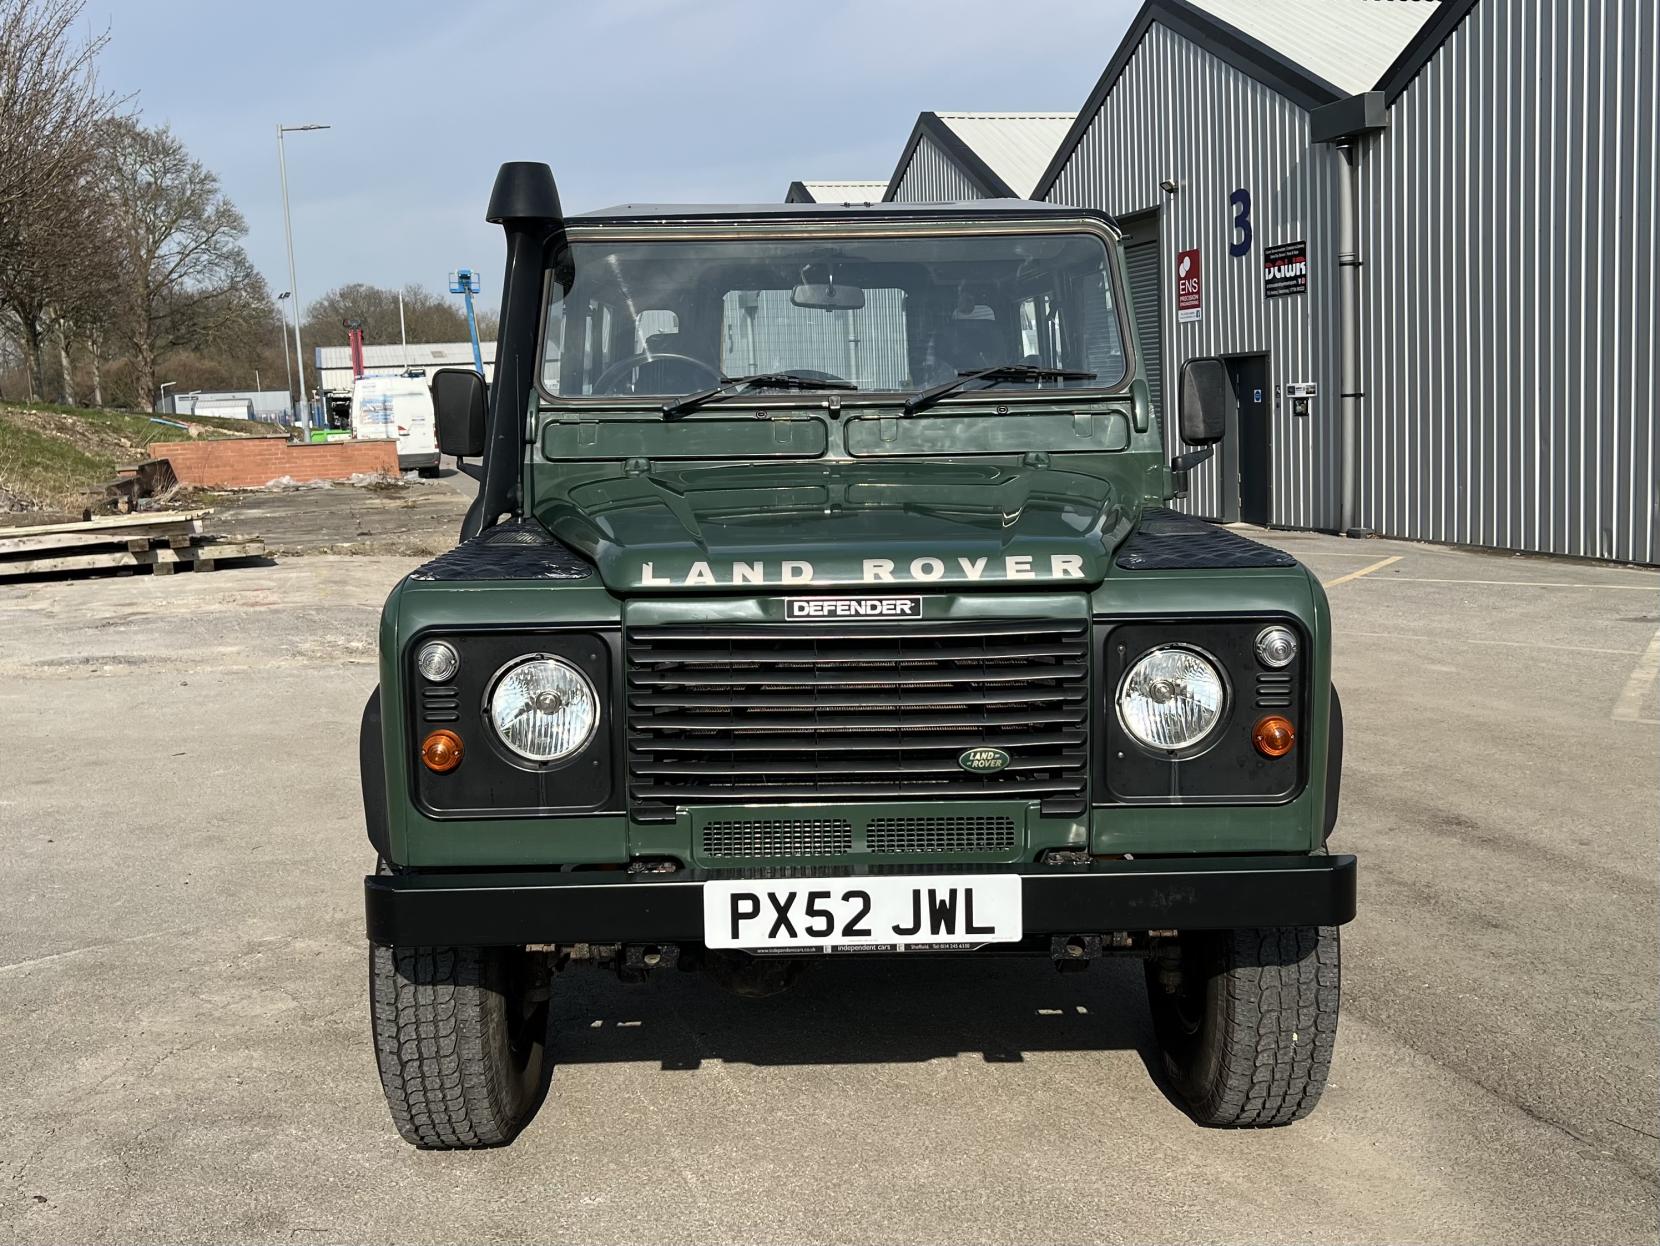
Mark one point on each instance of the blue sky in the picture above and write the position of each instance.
(627, 99)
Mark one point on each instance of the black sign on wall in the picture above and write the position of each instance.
(1284, 269)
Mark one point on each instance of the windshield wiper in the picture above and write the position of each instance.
(1001, 372)
(730, 385)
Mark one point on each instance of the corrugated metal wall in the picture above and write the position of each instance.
(763, 332)
(931, 177)
(1179, 112)
(1509, 291)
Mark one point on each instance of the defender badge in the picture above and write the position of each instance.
(983, 760)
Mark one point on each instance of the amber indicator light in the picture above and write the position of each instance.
(441, 751)
(1274, 736)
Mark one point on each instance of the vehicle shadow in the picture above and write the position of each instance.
(846, 1012)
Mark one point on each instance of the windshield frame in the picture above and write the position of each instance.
(737, 230)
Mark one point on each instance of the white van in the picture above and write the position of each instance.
(398, 407)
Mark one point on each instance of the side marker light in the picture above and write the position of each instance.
(441, 751)
(1274, 736)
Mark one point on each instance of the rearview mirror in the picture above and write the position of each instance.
(458, 409)
(828, 297)
(1206, 394)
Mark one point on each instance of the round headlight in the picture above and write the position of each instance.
(1171, 698)
(1276, 646)
(544, 709)
(437, 661)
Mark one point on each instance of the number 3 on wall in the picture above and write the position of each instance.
(1240, 243)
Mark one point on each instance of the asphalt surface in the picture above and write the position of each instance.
(185, 1052)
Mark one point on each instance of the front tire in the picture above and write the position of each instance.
(1247, 1020)
(460, 1038)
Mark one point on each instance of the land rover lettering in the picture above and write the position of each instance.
(924, 569)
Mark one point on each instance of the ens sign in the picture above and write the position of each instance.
(1190, 301)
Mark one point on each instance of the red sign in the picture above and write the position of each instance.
(1190, 299)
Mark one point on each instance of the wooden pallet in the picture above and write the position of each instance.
(160, 543)
(118, 530)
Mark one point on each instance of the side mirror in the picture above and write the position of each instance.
(1206, 395)
(458, 409)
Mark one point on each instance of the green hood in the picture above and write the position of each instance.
(914, 524)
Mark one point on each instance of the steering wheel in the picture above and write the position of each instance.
(604, 381)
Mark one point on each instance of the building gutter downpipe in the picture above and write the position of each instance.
(1348, 293)
(1344, 124)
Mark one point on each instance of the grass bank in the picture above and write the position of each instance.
(52, 458)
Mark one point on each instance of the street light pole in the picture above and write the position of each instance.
(282, 336)
(293, 282)
(165, 386)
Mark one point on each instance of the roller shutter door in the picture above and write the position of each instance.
(1141, 259)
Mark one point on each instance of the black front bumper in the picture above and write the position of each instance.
(602, 906)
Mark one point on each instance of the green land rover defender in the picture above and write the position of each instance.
(821, 599)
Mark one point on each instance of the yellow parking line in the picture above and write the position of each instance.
(1631, 697)
(1355, 575)
(1423, 579)
(1552, 645)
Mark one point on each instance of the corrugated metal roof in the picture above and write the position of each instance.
(1016, 145)
(846, 192)
(417, 354)
(1349, 43)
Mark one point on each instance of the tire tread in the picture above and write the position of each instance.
(441, 1045)
(1282, 989)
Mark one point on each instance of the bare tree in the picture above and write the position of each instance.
(49, 95)
(60, 276)
(187, 282)
(50, 109)
(428, 317)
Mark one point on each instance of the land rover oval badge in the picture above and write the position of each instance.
(983, 760)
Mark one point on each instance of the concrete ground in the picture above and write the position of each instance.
(412, 516)
(185, 1053)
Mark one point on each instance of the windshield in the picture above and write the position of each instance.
(660, 319)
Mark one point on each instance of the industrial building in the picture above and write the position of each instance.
(976, 155)
(334, 363)
(836, 192)
(1483, 172)
(273, 405)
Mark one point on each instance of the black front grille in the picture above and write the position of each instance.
(736, 713)
(925, 835)
(778, 837)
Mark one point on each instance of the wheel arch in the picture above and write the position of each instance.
(371, 762)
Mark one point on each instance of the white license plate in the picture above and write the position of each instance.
(862, 914)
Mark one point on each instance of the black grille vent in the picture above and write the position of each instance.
(968, 834)
(779, 837)
(1273, 690)
(727, 714)
(440, 704)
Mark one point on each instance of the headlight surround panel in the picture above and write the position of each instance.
(1223, 767)
(493, 781)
